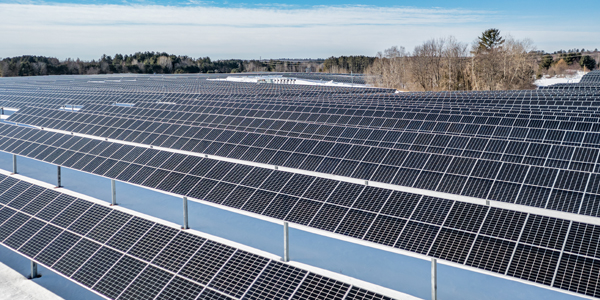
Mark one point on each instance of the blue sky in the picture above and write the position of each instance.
(274, 29)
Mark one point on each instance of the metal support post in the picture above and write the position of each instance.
(433, 279)
(14, 164)
(34, 272)
(286, 242)
(58, 179)
(113, 192)
(185, 214)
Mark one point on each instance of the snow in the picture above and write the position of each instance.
(569, 78)
(6, 113)
(298, 81)
(15, 286)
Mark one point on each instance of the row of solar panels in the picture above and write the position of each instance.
(314, 113)
(541, 101)
(200, 86)
(158, 84)
(371, 129)
(346, 114)
(467, 124)
(211, 90)
(122, 256)
(570, 86)
(513, 243)
(471, 114)
(376, 117)
(349, 117)
(554, 177)
(343, 134)
(316, 94)
(505, 128)
(591, 77)
(398, 139)
(195, 85)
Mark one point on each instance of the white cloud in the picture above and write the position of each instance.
(107, 15)
(87, 31)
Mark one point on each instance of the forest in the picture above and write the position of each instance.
(140, 62)
(165, 63)
(491, 62)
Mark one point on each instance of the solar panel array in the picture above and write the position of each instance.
(122, 256)
(533, 148)
(552, 172)
(591, 77)
(474, 235)
(53, 92)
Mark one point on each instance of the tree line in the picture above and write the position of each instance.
(165, 63)
(561, 61)
(347, 64)
(491, 62)
(140, 62)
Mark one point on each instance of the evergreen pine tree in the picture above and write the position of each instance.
(490, 40)
(546, 62)
(588, 62)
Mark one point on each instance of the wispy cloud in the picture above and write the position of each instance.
(107, 15)
(87, 31)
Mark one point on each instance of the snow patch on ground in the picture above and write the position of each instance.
(15, 286)
(286, 80)
(569, 78)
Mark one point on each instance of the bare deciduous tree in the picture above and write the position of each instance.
(446, 64)
(389, 69)
(437, 64)
(510, 66)
(165, 62)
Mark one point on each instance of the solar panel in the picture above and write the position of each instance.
(146, 259)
